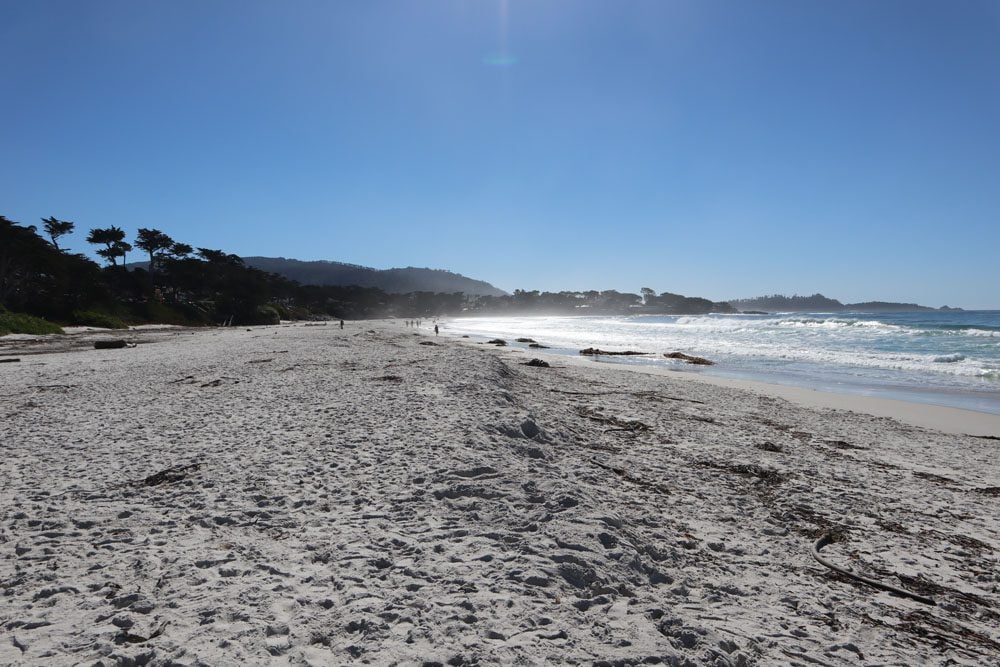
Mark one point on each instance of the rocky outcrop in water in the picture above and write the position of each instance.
(697, 361)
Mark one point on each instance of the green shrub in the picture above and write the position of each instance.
(25, 324)
(93, 318)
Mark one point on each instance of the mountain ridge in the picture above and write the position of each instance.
(394, 280)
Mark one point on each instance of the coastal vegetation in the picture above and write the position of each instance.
(393, 281)
(19, 323)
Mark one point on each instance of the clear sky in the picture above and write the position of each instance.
(717, 149)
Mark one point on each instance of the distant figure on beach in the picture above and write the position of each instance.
(435, 330)
(341, 324)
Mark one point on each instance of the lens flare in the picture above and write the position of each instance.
(499, 60)
(502, 57)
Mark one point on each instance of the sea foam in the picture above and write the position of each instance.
(929, 351)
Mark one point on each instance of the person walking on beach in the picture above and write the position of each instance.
(435, 330)
(341, 324)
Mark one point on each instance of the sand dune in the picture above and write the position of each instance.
(310, 495)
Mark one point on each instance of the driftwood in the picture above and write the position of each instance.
(594, 351)
(697, 361)
(8, 361)
(109, 344)
(828, 539)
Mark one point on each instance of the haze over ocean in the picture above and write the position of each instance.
(718, 149)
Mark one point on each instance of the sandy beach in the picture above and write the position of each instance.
(306, 495)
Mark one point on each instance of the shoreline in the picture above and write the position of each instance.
(853, 358)
(945, 418)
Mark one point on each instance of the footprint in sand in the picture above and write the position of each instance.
(276, 637)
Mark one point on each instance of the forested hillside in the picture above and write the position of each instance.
(396, 281)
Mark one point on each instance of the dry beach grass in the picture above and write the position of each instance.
(310, 495)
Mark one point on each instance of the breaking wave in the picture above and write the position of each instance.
(933, 351)
(981, 333)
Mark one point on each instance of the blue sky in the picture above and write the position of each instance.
(717, 149)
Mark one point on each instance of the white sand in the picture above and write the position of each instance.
(356, 496)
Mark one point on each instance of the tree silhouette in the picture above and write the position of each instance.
(39, 279)
(117, 249)
(180, 250)
(113, 239)
(154, 242)
(13, 267)
(219, 257)
(56, 228)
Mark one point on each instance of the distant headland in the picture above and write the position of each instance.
(817, 303)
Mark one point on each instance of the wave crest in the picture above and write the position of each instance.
(981, 333)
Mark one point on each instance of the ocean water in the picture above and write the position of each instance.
(944, 358)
